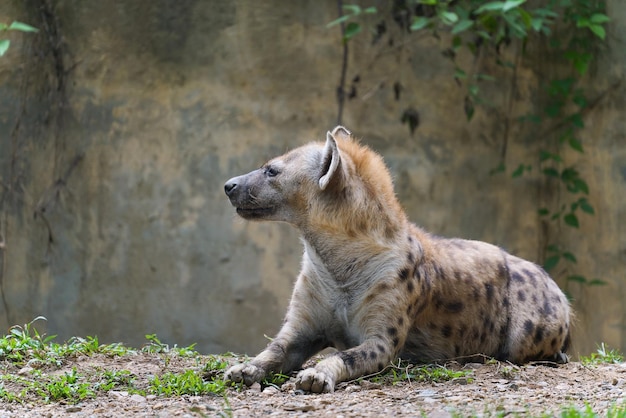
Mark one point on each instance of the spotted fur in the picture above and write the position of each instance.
(375, 286)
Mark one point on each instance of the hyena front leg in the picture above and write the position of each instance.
(294, 344)
(369, 357)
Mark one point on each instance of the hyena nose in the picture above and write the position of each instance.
(230, 187)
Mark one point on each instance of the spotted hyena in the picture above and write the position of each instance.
(375, 286)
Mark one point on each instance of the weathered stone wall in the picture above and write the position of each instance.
(121, 120)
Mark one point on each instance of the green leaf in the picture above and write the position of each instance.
(543, 212)
(551, 172)
(599, 18)
(4, 45)
(572, 220)
(352, 29)
(518, 171)
(419, 22)
(462, 26)
(569, 256)
(526, 17)
(354, 9)
(551, 262)
(577, 279)
(545, 155)
(575, 144)
(338, 21)
(598, 31)
(580, 185)
(370, 10)
(577, 120)
(449, 18)
(459, 73)
(469, 108)
(597, 282)
(553, 248)
(510, 4)
(3, 26)
(586, 207)
(491, 6)
(23, 27)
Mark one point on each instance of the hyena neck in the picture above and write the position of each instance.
(346, 256)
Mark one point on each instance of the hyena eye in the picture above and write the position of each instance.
(271, 171)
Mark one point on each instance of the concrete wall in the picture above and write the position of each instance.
(121, 120)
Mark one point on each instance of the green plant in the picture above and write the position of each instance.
(603, 355)
(571, 31)
(70, 387)
(110, 379)
(187, 383)
(155, 345)
(15, 25)
(406, 372)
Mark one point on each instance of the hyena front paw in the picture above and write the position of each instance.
(246, 372)
(313, 380)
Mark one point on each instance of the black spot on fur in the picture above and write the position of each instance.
(373, 355)
(421, 308)
(446, 331)
(521, 296)
(409, 287)
(432, 326)
(439, 272)
(454, 307)
(553, 343)
(380, 366)
(566, 343)
(349, 359)
(489, 290)
(517, 277)
(505, 302)
(437, 300)
(410, 257)
(531, 276)
(409, 308)
(529, 326)
(416, 274)
(396, 341)
(392, 331)
(538, 335)
(400, 320)
(487, 323)
(476, 292)
(560, 330)
(381, 348)
(404, 273)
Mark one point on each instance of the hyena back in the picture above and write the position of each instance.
(375, 286)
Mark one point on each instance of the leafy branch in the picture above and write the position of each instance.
(15, 25)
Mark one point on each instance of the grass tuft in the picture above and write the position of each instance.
(603, 355)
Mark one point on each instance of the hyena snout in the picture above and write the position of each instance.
(249, 197)
(230, 187)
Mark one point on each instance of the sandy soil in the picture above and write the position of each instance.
(488, 390)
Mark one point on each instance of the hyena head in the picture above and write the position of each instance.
(320, 185)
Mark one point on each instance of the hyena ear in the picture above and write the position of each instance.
(331, 161)
(341, 132)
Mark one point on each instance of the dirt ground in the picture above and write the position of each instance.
(487, 390)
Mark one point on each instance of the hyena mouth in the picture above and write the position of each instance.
(253, 213)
